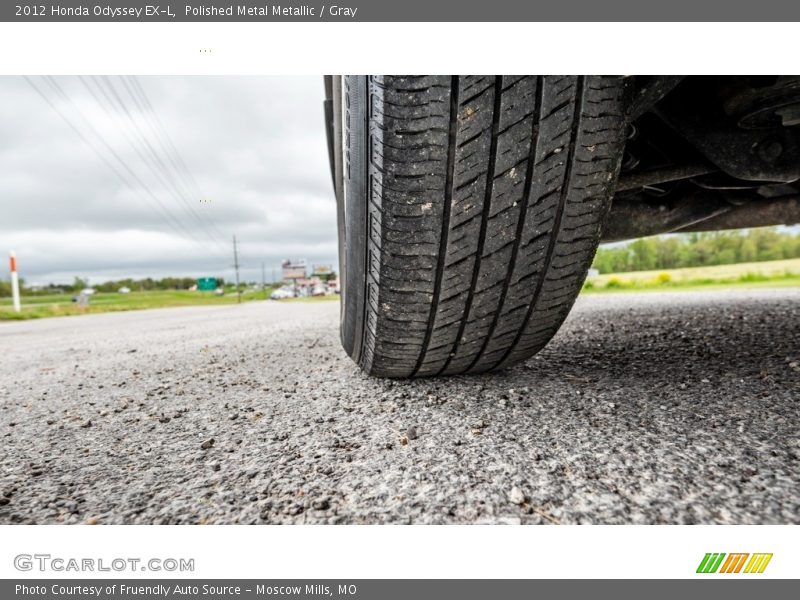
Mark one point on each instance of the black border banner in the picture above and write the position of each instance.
(397, 589)
(400, 11)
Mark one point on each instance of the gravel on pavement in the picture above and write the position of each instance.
(675, 407)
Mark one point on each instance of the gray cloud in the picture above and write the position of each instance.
(255, 147)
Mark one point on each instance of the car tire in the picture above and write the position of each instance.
(470, 209)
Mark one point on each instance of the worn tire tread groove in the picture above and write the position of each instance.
(485, 198)
(445, 221)
(498, 97)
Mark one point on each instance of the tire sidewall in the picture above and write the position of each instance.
(350, 135)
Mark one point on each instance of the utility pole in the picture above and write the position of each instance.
(263, 281)
(236, 266)
(14, 281)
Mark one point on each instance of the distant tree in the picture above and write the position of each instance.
(79, 284)
(699, 249)
(748, 251)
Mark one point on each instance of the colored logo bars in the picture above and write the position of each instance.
(734, 562)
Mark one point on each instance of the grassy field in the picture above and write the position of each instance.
(34, 307)
(61, 305)
(777, 273)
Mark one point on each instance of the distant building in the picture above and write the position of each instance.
(315, 286)
(323, 271)
(292, 270)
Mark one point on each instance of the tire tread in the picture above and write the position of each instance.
(486, 197)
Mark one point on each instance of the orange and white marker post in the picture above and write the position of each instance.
(15, 281)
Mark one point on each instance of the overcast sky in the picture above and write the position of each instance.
(256, 166)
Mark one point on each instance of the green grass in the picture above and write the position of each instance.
(56, 305)
(778, 273)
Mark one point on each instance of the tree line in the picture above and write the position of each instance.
(699, 250)
(135, 285)
(646, 254)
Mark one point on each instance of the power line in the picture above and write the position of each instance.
(155, 163)
(164, 139)
(169, 218)
(178, 180)
(54, 84)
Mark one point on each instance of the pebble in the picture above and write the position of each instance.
(322, 504)
(568, 460)
(515, 496)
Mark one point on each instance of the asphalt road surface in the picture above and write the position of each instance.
(647, 408)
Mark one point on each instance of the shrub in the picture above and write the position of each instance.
(750, 277)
